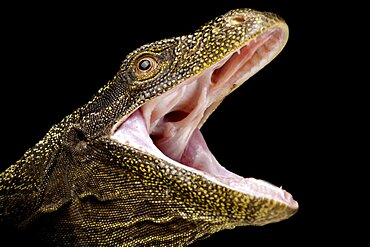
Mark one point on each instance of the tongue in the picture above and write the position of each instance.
(198, 156)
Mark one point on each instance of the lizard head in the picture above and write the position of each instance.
(143, 173)
(174, 85)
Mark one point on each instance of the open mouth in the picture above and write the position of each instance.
(168, 126)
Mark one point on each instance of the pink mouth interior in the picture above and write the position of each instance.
(168, 126)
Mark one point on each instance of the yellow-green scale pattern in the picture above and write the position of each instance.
(79, 187)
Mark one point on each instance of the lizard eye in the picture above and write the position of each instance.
(146, 67)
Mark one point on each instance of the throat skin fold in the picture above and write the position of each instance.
(131, 167)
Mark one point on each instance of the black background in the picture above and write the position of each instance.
(275, 127)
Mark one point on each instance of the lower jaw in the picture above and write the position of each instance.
(198, 159)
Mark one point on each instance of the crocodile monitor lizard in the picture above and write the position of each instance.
(131, 167)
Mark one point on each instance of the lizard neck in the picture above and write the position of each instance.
(23, 184)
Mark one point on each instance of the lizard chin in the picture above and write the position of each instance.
(168, 126)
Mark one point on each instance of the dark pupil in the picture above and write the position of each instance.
(144, 64)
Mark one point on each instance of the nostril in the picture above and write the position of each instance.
(237, 20)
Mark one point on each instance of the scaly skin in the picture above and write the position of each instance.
(78, 186)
